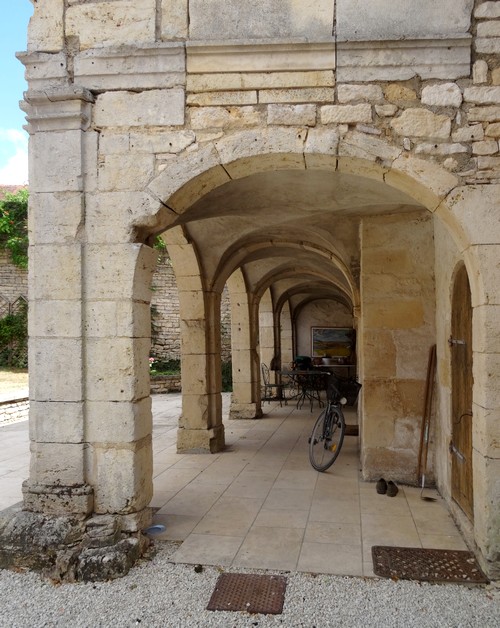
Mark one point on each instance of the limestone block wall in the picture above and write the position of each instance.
(13, 280)
(166, 339)
(323, 313)
(397, 329)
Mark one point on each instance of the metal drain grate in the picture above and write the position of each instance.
(249, 592)
(430, 565)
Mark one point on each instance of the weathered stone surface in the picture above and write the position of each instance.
(488, 29)
(226, 118)
(426, 183)
(495, 76)
(442, 95)
(394, 92)
(219, 20)
(350, 114)
(483, 114)
(174, 19)
(152, 66)
(367, 147)
(59, 162)
(122, 476)
(115, 22)
(318, 94)
(487, 45)
(52, 421)
(493, 130)
(487, 10)
(156, 107)
(482, 95)
(258, 80)
(401, 60)
(486, 147)
(422, 123)
(109, 422)
(480, 72)
(367, 93)
(468, 133)
(292, 115)
(261, 56)
(57, 463)
(441, 149)
(386, 111)
(46, 27)
(125, 171)
(395, 19)
(211, 99)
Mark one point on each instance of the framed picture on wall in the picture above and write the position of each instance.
(332, 342)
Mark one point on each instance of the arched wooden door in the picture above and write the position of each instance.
(461, 374)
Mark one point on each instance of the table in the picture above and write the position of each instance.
(309, 385)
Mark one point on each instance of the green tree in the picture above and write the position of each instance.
(14, 226)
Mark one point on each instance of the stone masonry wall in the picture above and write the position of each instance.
(166, 340)
(13, 281)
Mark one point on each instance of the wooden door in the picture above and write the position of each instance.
(461, 374)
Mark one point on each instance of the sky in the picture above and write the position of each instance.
(15, 15)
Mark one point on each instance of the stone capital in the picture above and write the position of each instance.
(58, 109)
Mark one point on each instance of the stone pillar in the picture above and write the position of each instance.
(397, 328)
(266, 328)
(118, 422)
(59, 136)
(244, 402)
(286, 336)
(486, 408)
(200, 426)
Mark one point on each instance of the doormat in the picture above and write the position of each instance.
(428, 565)
(249, 592)
(352, 430)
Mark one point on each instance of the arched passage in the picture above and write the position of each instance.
(267, 196)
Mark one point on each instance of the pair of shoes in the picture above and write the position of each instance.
(386, 488)
(392, 489)
(381, 487)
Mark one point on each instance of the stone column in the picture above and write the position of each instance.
(200, 425)
(397, 328)
(118, 423)
(59, 138)
(244, 402)
(286, 336)
(266, 328)
(486, 409)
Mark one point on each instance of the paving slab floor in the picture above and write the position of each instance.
(260, 504)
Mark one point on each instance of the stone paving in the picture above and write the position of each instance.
(259, 504)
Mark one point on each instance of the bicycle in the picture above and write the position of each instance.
(328, 432)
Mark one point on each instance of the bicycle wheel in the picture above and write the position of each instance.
(326, 439)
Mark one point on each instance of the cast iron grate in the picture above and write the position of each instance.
(249, 592)
(429, 565)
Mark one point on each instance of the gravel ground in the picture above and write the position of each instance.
(160, 593)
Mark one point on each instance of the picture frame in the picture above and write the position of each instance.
(333, 342)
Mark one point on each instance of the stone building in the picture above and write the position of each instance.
(294, 151)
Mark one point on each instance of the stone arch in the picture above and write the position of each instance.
(241, 155)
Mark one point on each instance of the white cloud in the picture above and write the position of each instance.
(13, 157)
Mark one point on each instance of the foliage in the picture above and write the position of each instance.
(164, 367)
(227, 376)
(14, 339)
(14, 226)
